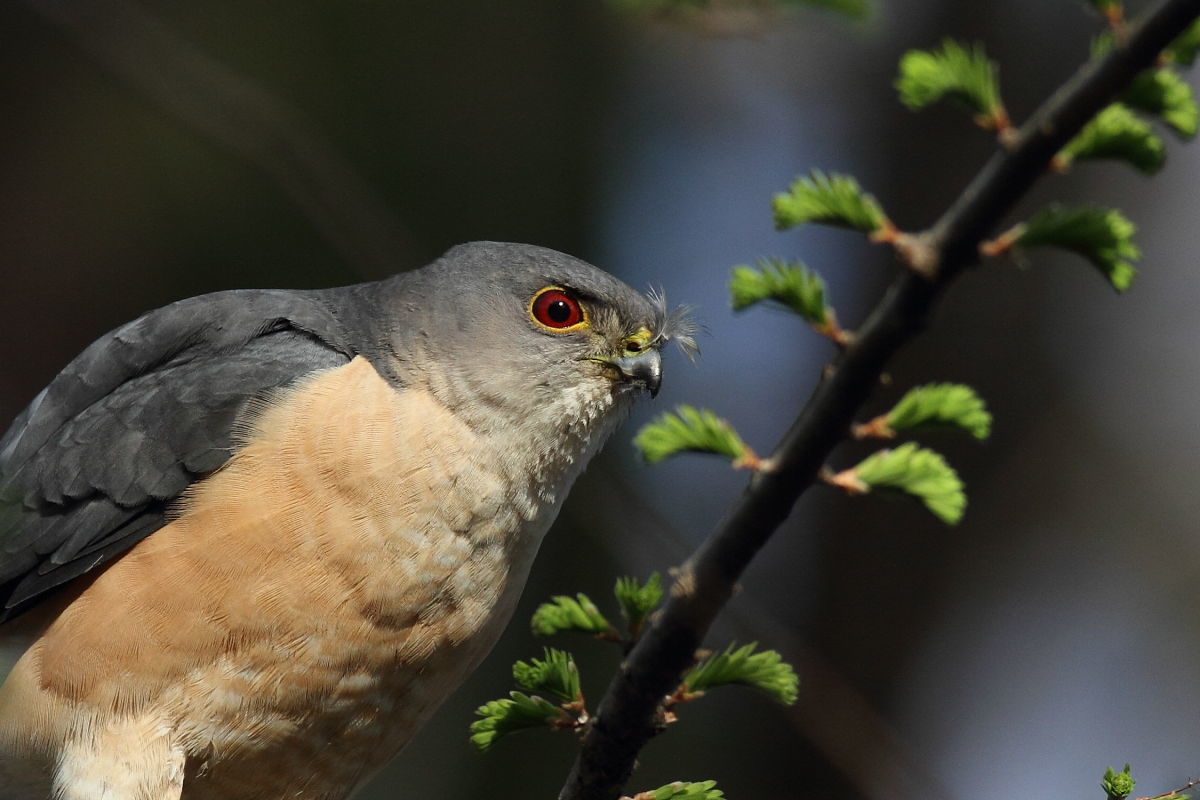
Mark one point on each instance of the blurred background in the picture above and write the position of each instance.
(162, 149)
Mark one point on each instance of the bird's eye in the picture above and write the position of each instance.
(555, 309)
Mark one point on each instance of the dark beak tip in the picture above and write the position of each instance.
(644, 368)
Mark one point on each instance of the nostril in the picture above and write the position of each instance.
(633, 346)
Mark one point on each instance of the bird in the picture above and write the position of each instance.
(251, 540)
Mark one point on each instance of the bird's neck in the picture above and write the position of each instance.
(535, 434)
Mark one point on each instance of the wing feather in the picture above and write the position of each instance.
(92, 466)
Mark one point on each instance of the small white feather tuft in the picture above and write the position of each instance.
(677, 325)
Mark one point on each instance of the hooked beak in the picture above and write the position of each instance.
(644, 368)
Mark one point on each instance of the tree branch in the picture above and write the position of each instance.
(624, 721)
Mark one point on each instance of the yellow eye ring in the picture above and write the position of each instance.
(555, 309)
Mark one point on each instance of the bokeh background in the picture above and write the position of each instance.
(155, 150)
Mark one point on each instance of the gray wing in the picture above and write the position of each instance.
(92, 465)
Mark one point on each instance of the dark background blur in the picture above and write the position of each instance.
(165, 149)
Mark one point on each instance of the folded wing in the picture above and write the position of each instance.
(93, 465)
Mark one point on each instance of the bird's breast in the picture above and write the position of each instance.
(316, 598)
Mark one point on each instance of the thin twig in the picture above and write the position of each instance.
(624, 719)
(1192, 783)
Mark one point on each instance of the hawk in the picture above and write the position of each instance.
(250, 541)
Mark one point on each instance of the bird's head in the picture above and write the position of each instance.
(536, 332)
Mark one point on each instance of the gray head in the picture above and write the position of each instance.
(493, 327)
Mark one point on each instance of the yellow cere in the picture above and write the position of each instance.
(638, 341)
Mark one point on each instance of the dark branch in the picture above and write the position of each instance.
(625, 718)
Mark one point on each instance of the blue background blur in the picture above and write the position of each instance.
(165, 149)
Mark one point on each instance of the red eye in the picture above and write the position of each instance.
(554, 308)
